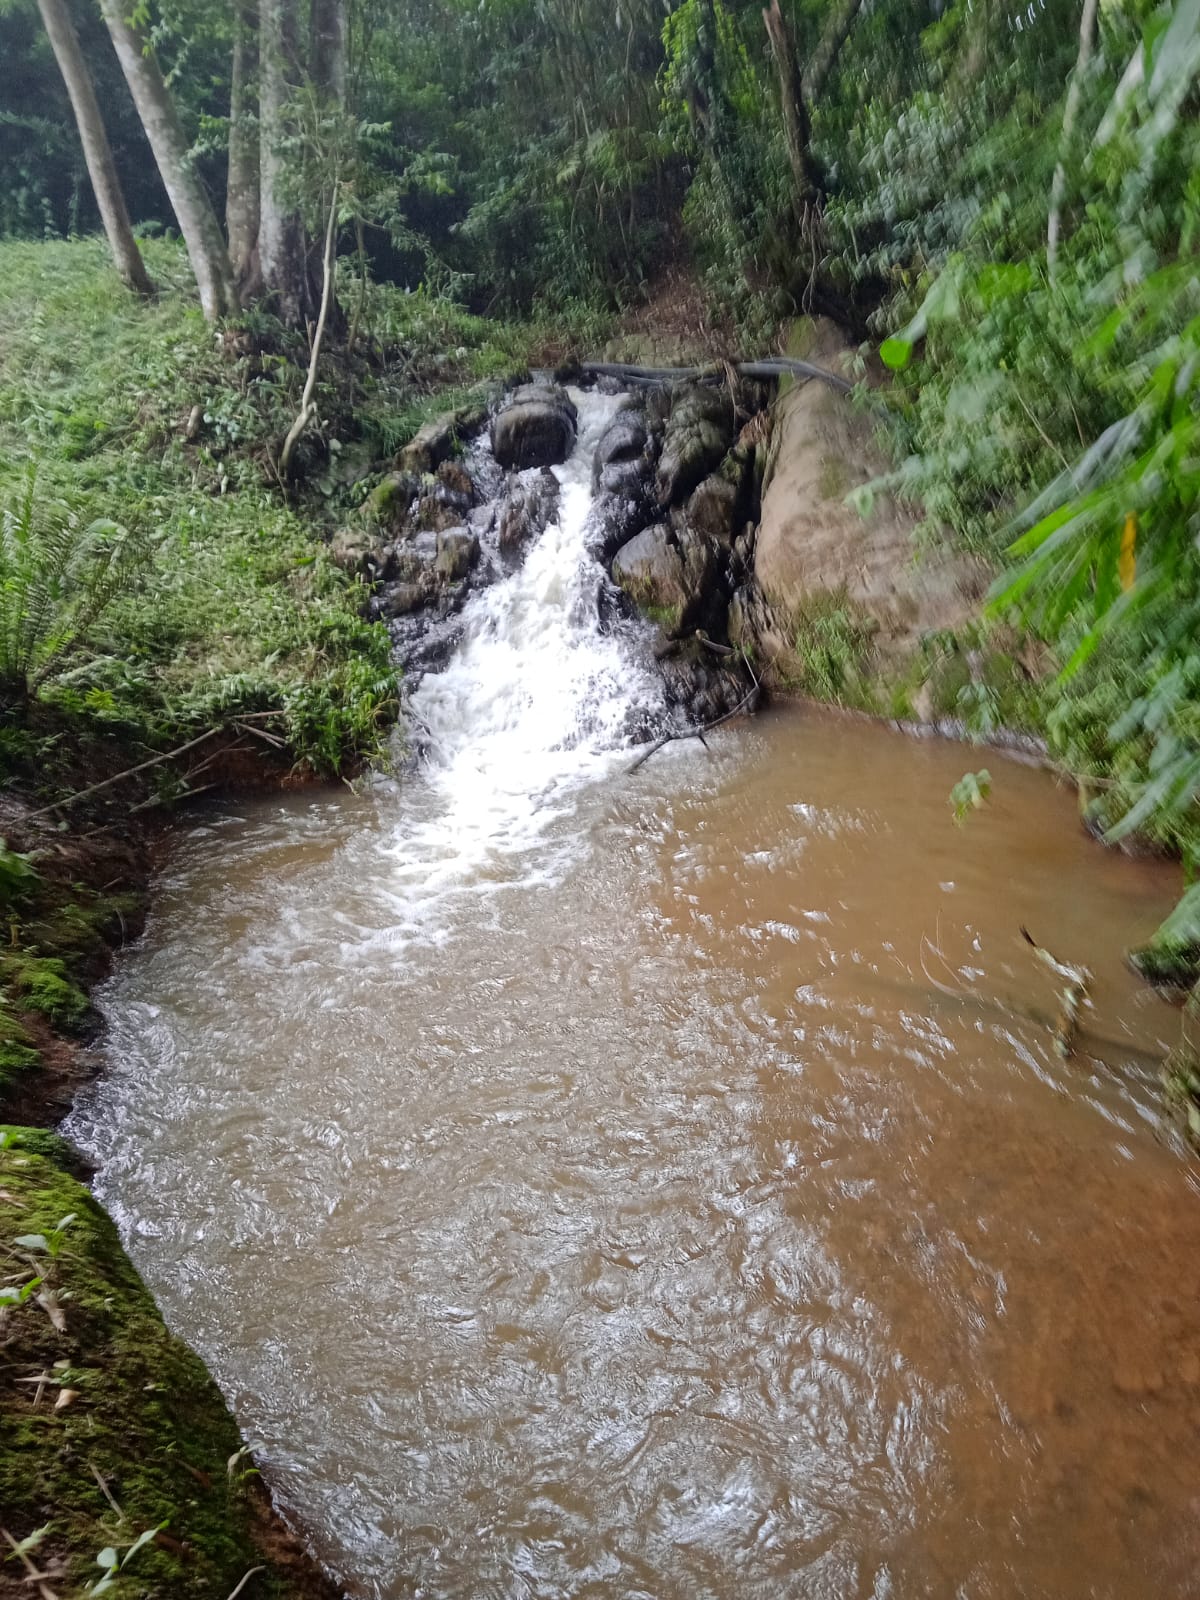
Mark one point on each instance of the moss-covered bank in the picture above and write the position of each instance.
(110, 1428)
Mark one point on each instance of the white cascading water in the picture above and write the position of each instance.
(537, 700)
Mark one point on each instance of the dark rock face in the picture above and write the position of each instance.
(670, 574)
(624, 458)
(705, 686)
(536, 428)
(623, 481)
(699, 432)
(716, 507)
(526, 510)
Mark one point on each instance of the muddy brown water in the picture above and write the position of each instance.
(691, 1205)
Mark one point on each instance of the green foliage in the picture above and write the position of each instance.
(58, 577)
(970, 793)
(232, 605)
(831, 646)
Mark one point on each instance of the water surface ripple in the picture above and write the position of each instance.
(685, 1199)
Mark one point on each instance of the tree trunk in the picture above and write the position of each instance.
(241, 195)
(798, 90)
(159, 117)
(795, 112)
(97, 152)
(282, 244)
(327, 49)
(1058, 188)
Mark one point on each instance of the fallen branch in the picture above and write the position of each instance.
(245, 1580)
(307, 404)
(35, 1577)
(702, 728)
(107, 783)
(1077, 981)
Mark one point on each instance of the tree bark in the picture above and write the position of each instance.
(241, 194)
(798, 89)
(282, 243)
(97, 151)
(327, 49)
(193, 209)
(791, 97)
(1058, 188)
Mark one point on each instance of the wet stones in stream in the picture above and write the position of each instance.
(671, 521)
(535, 427)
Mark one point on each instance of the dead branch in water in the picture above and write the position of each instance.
(702, 728)
(1077, 981)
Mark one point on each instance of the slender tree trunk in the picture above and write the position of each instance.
(329, 269)
(799, 89)
(282, 244)
(327, 49)
(1058, 188)
(795, 111)
(159, 117)
(241, 194)
(97, 151)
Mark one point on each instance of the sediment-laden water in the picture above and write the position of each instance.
(593, 1184)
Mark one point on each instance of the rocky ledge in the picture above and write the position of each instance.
(676, 477)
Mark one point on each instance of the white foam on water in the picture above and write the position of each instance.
(536, 703)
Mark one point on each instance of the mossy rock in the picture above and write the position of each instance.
(114, 1397)
(1167, 964)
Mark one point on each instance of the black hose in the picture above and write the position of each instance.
(768, 367)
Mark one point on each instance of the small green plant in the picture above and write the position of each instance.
(57, 578)
(18, 877)
(17, 1294)
(114, 1563)
(51, 1243)
(970, 793)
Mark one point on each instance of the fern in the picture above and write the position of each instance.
(57, 578)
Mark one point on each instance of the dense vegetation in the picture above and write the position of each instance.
(1004, 199)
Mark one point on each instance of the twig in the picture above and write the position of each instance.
(95, 788)
(44, 1589)
(244, 1581)
(1074, 995)
(699, 731)
(307, 406)
(106, 1491)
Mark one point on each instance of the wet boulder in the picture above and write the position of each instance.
(454, 476)
(438, 439)
(402, 599)
(356, 549)
(414, 558)
(615, 518)
(670, 575)
(716, 507)
(391, 500)
(457, 553)
(536, 428)
(529, 504)
(699, 432)
(442, 507)
(624, 459)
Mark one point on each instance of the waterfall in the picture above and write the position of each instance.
(539, 699)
